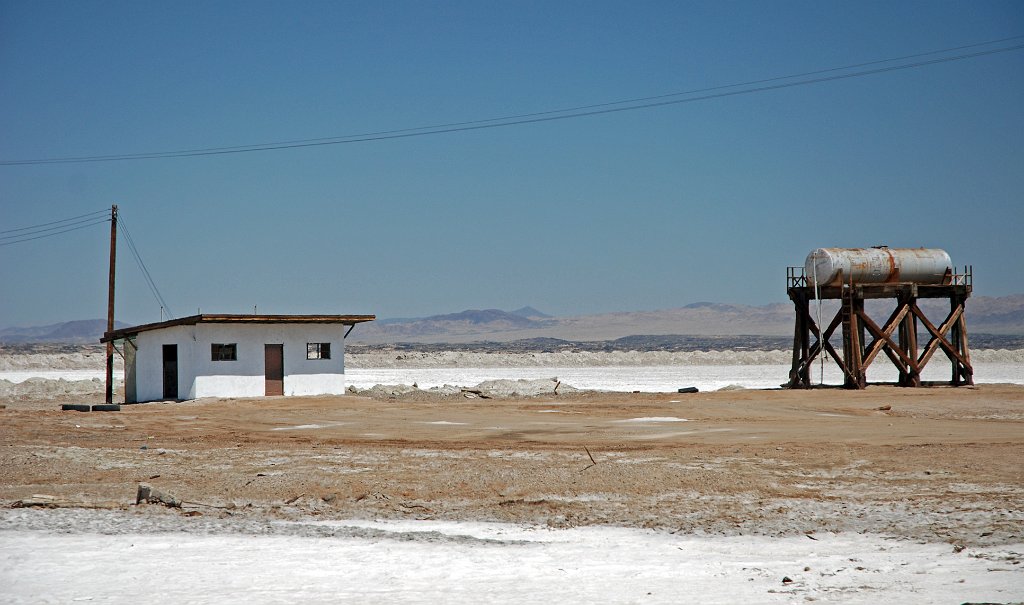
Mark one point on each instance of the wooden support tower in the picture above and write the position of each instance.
(863, 339)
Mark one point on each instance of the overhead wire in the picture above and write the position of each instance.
(53, 231)
(98, 212)
(562, 110)
(83, 221)
(558, 114)
(142, 265)
(48, 229)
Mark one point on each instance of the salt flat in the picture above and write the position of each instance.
(123, 558)
(855, 496)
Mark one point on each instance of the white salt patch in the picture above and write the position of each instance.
(429, 562)
(303, 427)
(445, 422)
(647, 373)
(664, 435)
(22, 376)
(654, 419)
(619, 372)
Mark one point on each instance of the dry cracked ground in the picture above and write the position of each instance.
(935, 464)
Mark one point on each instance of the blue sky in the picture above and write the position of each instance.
(637, 210)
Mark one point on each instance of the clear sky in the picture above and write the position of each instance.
(636, 210)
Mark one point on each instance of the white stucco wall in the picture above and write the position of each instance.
(200, 376)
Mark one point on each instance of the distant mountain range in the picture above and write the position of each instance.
(985, 315)
(81, 331)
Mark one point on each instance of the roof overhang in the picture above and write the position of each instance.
(348, 320)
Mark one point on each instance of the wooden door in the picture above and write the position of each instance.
(273, 356)
(170, 371)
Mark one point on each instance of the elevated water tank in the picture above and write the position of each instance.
(880, 265)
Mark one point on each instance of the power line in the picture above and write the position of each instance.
(64, 225)
(546, 116)
(340, 138)
(98, 221)
(53, 228)
(142, 265)
(33, 227)
(610, 103)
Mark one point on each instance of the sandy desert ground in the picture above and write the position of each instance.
(938, 464)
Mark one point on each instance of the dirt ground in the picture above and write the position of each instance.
(935, 464)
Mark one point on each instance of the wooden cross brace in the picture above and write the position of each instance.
(883, 340)
(938, 338)
(822, 340)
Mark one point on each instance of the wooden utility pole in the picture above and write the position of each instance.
(110, 303)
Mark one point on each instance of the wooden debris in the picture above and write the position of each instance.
(591, 456)
(48, 501)
(37, 501)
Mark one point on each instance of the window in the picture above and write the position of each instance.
(318, 350)
(221, 352)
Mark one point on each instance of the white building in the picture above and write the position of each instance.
(235, 356)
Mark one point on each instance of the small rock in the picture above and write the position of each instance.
(885, 408)
(787, 580)
(150, 495)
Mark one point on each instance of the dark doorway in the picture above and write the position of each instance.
(170, 371)
(273, 356)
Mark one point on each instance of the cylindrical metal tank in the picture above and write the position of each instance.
(833, 266)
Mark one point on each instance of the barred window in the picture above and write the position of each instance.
(224, 352)
(318, 350)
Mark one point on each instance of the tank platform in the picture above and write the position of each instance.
(864, 339)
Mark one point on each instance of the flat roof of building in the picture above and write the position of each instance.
(349, 320)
